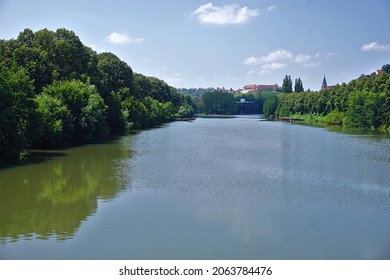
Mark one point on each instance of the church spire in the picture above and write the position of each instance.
(324, 84)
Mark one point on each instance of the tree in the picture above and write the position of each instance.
(68, 55)
(270, 106)
(56, 122)
(215, 102)
(30, 53)
(50, 56)
(363, 109)
(155, 88)
(114, 81)
(185, 111)
(113, 74)
(386, 68)
(298, 87)
(287, 84)
(19, 122)
(74, 111)
(135, 113)
(54, 91)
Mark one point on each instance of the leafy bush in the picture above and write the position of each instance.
(270, 106)
(72, 112)
(334, 117)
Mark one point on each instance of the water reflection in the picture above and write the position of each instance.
(209, 189)
(268, 190)
(52, 197)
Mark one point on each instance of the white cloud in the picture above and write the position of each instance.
(374, 46)
(277, 56)
(271, 8)
(301, 58)
(228, 14)
(274, 66)
(251, 61)
(280, 59)
(123, 39)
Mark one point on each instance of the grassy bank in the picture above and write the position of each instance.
(334, 119)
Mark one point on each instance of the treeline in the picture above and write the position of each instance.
(55, 92)
(223, 102)
(218, 102)
(363, 102)
(260, 97)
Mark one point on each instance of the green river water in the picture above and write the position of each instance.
(236, 188)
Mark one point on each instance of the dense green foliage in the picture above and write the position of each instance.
(218, 102)
(18, 117)
(298, 87)
(259, 96)
(270, 106)
(54, 92)
(287, 84)
(72, 113)
(364, 102)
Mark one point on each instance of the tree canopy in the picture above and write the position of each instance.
(287, 84)
(298, 87)
(55, 91)
(363, 102)
(218, 102)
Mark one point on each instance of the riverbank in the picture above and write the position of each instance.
(184, 119)
(335, 121)
(215, 116)
(290, 119)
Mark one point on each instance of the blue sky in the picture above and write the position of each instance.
(222, 43)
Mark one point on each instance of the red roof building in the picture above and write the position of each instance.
(250, 88)
(267, 87)
(327, 88)
(254, 88)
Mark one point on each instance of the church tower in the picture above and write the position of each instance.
(324, 84)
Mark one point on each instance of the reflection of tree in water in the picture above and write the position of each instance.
(53, 197)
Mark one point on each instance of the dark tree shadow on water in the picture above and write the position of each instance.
(34, 157)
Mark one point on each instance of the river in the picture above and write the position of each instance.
(236, 188)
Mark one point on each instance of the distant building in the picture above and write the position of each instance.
(273, 87)
(248, 107)
(249, 88)
(373, 74)
(378, 72)
(255, 88)
(325, 85)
